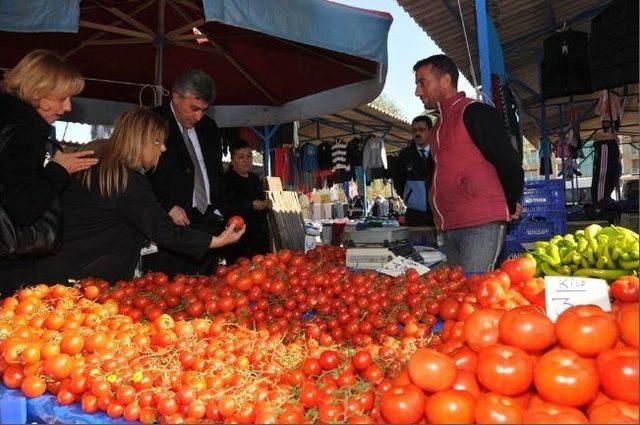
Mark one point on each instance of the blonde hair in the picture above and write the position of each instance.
(39, 74)
(135, 129)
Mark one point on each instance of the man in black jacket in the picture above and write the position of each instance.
(188, 179)
(414, 169)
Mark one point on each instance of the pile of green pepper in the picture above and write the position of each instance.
(605, 253)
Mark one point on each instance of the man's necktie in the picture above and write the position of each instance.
(198, 176)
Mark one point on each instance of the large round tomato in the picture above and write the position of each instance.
(402, 405)
(625, 289)
(493, 408)
(450, 407)
(618, 372)
(491, 290)
(519, 269)
(431, 370)
(563, 377)
(527, 328)
(236, 221)
(549, 413)
(586, 329)
(505, 369)
(467, 381)
(614, 412)
(628, 323)
(481, 329)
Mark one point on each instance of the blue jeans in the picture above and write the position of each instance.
(476, 248)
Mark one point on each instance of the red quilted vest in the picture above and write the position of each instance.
(465, 190)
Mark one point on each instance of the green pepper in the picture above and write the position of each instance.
(565, 270)
(541, 244)
(568, 257)
(625, 256)
(601, 274)
(584, 263)
(569, 238)
(635, 254)
(576, 258)
(610, 231)
(580, 233)
(590, 258)
(615, 253)
(547, 270)
(592, 230)
(582, 245)
(602, 262)
(593, 245)
(629, 265)
(554, 252)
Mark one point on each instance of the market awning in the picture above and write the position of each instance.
(365, 119)
(274, 61)
(522, 26)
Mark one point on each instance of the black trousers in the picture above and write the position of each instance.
(606, 170)
(173, 263)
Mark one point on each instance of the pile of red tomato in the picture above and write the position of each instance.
(499, 365)
(289, 338)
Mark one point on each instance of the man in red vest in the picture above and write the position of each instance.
(478, 176)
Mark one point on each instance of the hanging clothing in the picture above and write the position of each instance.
(309, 157)
(339, 156)
(374, 159)
(606, 170)
(281, 166)
(610, 107)
(325, 161)
(355, 151)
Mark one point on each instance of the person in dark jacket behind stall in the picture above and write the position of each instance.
(33, 95)
(414, 170)
(245, 197)
(478, 177)
(111, 210)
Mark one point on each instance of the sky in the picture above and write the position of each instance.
(407, 44)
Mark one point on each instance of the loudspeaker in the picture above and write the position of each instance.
(613, 45)
(565, 67)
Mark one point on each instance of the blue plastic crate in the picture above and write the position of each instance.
(543, 196)
(538, 227)
(510, 248)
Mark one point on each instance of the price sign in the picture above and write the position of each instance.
(563, 292)
(400, 265)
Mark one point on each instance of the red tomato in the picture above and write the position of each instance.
(432, 371)
(402, 405)
(450, 407)
(493, 408)
(491, 290)
(449, 308)
(563, 377)
(528, 328)
(618, 372)
(628, 323)
(505, 370)
(614, 412)
(481, 329)
(467, 381)
(465, 359)
(549, 413)
(236, 221)
(533, 290)
(586, 329)
(519, 269)
(625, 289)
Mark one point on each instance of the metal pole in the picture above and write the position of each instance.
(544, 142)
(159, 44)
(483, 49)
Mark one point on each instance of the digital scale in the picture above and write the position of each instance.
(372, 248)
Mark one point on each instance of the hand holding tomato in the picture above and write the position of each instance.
(230, 236)
(236, 222)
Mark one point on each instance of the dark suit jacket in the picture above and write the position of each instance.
(172, 180)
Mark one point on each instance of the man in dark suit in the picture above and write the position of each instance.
(188, 178)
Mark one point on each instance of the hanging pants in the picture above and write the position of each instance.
(606, 170)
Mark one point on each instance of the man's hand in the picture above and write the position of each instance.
(516, 215)
(178, 216)
(75, 161)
